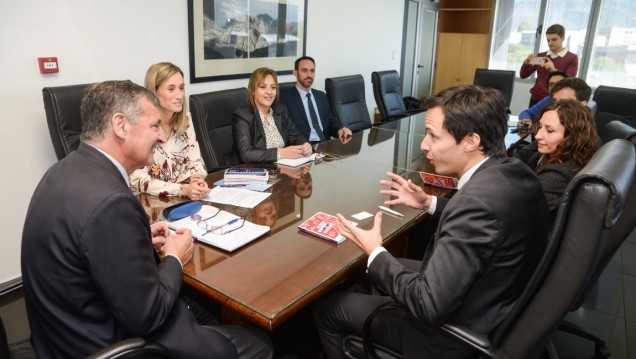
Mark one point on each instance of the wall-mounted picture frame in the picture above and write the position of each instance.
(228, 39)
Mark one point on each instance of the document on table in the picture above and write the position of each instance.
(228, 237)
(295, 162)
(258, 187)
(236, 196)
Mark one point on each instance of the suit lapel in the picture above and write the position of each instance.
(259, 124)
(277, 120)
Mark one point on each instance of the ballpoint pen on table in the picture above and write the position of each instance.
(233, 185)
(229, 223)
(390, 211)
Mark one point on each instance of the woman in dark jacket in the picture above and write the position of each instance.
(567, 140)
(263, 130)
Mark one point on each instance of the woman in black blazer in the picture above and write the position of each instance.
(567, 140)
(263, 130)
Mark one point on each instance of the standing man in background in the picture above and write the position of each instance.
(558, 58)
(309, 108)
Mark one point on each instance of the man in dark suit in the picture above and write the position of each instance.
(490, 237)
(300, 106)
(91, 274)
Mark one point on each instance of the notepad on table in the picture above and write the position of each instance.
(230, 237)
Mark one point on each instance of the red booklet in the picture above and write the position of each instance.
(324, 226)
(438, 180)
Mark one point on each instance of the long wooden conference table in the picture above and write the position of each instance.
(270, 279)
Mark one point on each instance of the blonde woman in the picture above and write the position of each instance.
(178, 169)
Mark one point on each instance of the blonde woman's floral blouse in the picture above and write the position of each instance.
(175, 161)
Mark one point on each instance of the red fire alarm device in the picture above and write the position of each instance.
(48, 65)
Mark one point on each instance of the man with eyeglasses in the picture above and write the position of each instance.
(91, 275)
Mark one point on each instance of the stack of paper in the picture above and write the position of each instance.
(236, 175)
(295, 162)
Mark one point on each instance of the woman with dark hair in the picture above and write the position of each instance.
(178, 169)
(263, 130)
(567, 140)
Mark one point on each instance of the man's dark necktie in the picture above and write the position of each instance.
(314, 118)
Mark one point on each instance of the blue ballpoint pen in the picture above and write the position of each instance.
(233, 185)
(221, 226)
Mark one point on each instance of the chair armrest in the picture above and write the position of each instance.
(476, 341)
(460, 333)
(134, 346)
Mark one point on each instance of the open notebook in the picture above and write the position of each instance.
(220, 229)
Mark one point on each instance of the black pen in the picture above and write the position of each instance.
(233, 185)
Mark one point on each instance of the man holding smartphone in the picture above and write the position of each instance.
(557, 58)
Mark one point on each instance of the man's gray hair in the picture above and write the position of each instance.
(105, 99)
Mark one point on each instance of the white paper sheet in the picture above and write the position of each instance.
(236, 196)
(295, 162)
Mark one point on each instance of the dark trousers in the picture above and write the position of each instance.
(185, 337)
(345, 313)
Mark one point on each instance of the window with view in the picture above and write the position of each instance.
(607, 27)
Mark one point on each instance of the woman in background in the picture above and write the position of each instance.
(178, 169)
(263, 130)
(567, 140)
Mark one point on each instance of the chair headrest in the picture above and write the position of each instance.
(618, 129)
(349, 88)
(613, 164)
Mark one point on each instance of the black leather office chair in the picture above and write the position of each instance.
(62, 106)
(133, 348)
(618, 129)
(387, 91)
(502, 80)
(625, 225)
(614, 103)
(348, 103)
(212, 119)
(285, 86)
(592, 205)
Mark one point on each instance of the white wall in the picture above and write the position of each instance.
(118, 39)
